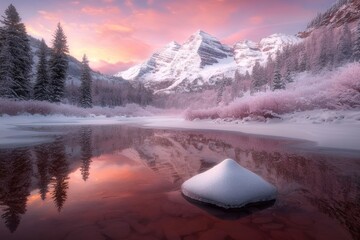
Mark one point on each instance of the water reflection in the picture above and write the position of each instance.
(15, 180)
(42, 156)
(133, 171)
(86, 151)
(230, 214)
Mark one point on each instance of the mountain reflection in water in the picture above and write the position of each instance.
(121, 182)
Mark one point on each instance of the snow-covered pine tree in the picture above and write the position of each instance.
(288, 77)
(235, 86)
(58, 65)
(220, 91)
(278, 83)
(258, 77)
(302, 60)
(237, 76)
(85, 87)
(269, 69)
(6, 79)
(327, 47)
(356, 48)
(41, 88)
(2, 37)
(247, 75)
(16, 68)
(344, 47)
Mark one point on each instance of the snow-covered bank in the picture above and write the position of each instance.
(23, 130)
(22, 107)
(338, 129)
(326, 129)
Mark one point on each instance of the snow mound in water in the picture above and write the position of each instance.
(228, 185)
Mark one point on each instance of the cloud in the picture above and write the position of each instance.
(51, 16)
(129, 31)
(111, 68)
(256, 20)
(95, 11)
(114, 28)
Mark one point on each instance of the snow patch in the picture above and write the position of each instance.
(228, 185)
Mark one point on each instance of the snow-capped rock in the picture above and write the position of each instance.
(228, 185)
(202, 60)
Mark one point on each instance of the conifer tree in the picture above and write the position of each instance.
(344, 47)
(58, 65)
(258, 77)
(15, 66)
(356, 48)
(247, 75)
(86, 82)
(288, 78)
(269, 69)
(41, 88)
(6, 77)
(326, 54)
(220, 90)
(278, 83)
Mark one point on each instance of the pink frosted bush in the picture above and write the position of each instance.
(339, 89)
(13, 108)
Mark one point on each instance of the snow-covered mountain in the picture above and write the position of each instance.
(247, 53)
(202, 61)
(159, 60)
(341, 12)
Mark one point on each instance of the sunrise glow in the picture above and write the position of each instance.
(116, 34)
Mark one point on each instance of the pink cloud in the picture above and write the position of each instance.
(114, 28)
(51, 16)
(100, 11)
(256, 20)
(121, 33)
(111, 68)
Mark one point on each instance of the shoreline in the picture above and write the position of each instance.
(338, 136)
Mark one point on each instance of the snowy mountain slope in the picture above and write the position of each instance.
(247, 53)
(341, 12)
(202, 61)
(158, 61)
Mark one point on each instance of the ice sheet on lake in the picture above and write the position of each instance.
(228, 185)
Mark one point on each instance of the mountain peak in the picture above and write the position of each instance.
(172, 44)
(202, 35)
(199, 32)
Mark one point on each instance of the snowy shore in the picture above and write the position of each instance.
(326, 129)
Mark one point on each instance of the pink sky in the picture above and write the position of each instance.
(116, 34)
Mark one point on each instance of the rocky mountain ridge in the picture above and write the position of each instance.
(202, 61)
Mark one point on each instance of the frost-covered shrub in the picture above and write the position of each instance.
(339, 89)
(13, 108)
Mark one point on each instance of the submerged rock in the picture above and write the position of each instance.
(228, 185)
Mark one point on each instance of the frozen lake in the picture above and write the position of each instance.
(123, 182)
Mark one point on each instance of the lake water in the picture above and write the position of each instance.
(122, 182)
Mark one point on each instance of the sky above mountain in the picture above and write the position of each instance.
(117, 34)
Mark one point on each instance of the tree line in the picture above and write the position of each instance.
(51, 71)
